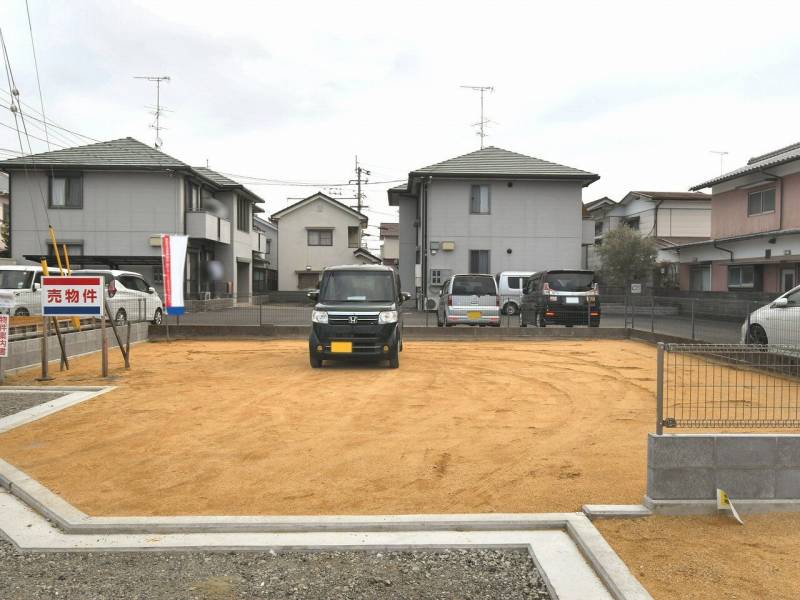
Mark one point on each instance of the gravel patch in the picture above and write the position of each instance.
(12, 401)
(434, 575)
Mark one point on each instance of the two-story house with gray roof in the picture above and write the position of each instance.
(488, 211)
(109, 202)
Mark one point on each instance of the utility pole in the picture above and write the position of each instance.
(158, 108)
(361, 173)
(484, 121)
(721, 154)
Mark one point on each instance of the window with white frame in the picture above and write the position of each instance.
(598, 228)
(761, 202)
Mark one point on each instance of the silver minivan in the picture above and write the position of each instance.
(469, 300)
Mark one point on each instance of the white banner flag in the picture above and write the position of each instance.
(173, 260)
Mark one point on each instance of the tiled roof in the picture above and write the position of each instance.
(497, 162)
(675, 195)
(390, 229)
(124, 153)
(755, 164)
(217, 178)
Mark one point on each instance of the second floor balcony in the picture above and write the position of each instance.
(208, 226)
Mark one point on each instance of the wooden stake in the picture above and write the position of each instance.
(63, 345)
(45, 365)
(128, 348)
(104, 345)
(116, 333)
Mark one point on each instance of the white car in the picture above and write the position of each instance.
(776, 323)
(24, 282)
(509, 286)
(130, 297)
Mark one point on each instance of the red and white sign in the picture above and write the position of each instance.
(173, 261)
(4, 335)
(72, 296)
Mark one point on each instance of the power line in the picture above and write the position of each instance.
(50, 122)
(36, 68)
(30, 150)
(254, 180)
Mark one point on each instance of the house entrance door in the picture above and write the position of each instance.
(787, 279)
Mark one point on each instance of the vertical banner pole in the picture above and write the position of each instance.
(128, 347)
(104, 338)
(660, 389)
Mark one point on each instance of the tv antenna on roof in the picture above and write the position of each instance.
(721, 154)
(483, 122)
(158, 108)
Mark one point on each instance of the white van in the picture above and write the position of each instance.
(24, 281)
(509, 286)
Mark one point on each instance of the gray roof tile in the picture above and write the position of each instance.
(493, 161)
(125, 152)
(755, 164)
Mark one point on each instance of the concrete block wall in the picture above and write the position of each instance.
(747, 466)
(25, 353)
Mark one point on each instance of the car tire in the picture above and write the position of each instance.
(121, 318)
(315, 361)
(510, 309)
(757, 335)
(22, 312)
(158, 317)
(540, 320)
(394, 359)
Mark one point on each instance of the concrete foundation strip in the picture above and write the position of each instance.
(72, 396)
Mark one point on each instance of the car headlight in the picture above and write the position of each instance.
(319, 316)
(387, 316)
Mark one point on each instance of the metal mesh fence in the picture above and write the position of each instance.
(728, 386)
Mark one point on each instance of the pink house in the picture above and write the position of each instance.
(755, 229)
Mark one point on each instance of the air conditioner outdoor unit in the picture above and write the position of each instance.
(431, 303)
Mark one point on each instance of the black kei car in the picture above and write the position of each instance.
(357, 315)
(563, 297)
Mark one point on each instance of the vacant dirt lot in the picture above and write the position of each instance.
(707, 558)
(246, 427)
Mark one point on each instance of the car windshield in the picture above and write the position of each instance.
(357, 286)
(15, 280)
(474, 285)
(570, 281)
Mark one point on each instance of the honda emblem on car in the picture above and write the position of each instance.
(353, 319)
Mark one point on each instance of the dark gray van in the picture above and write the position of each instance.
(560, 297)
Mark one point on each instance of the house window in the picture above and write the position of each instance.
(158, 275)
(761, 202)
(320, 237)
(479, 261)
(242, 214)
(479, 200)
(307, 281)
(436, 276)
(66, 191)
(598, 228)
(741, 276)
(193, 203)
(633, 223)
(353, 237)
(259, 280)
(267, 246)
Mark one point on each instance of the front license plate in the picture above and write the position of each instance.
(344, 347)
(573, 300)
(474, 314)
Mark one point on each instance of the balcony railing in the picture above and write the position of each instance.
(207, 226)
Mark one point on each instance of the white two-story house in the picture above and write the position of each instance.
(110, 202)
(315, 233)
(672, 218)
(485, 212)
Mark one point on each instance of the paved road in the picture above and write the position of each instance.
(707, 330)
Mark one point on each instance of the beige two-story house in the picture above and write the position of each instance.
(315, 233)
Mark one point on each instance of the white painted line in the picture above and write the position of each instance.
(73, 395)
(569, 574)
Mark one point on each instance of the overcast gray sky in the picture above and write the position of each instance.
(638, 92)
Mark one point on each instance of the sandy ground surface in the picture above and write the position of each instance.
(703, 558)
(247, 427)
